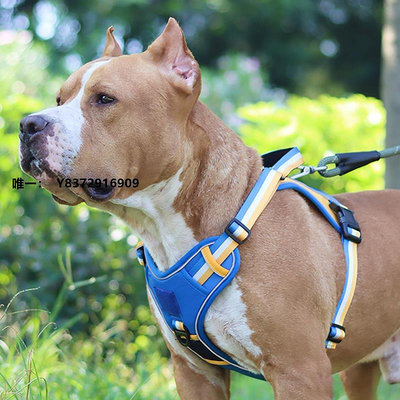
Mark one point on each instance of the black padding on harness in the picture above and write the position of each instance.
(271, 158)
(197, 346)
(202, 351)
(350, 161)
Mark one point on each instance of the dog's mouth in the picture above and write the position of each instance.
(40, 168)
(63, 202)
(100, 192)
(33, 163)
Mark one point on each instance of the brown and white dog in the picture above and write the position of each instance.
(138, 116)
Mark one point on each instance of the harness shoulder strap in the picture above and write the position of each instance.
(239, 229)
(342, 219)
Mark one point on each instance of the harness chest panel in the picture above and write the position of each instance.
(184, 302)
(184, 293)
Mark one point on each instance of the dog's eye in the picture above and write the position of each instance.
(104, 99)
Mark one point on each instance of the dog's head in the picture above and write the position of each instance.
(120, 117)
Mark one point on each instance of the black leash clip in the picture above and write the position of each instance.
(346, 162)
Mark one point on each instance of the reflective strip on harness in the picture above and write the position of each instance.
(324, 203)
(337, 334)
(209, 268)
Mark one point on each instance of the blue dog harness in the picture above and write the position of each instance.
(184, 292)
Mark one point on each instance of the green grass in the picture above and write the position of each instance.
(43, 370)
(42, 364)
(39, 361)
(247, 388)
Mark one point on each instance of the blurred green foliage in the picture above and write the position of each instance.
(321, 127)
(306, 46)
(237, 80)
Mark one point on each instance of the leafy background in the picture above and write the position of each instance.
(81, 327)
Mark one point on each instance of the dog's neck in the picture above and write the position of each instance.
(201, 198)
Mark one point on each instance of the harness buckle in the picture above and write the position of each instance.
(140, 254)
(183, 336)
(350, 228)
(231, 233)
(336, 333)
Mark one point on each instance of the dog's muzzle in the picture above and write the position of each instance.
(34, 130)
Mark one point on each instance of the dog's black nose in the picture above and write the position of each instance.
(32, 124)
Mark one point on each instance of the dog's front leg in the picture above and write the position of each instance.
(195, 379)
(300, 376)
(192, 383)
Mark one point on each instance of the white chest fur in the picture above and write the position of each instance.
(227, 324)
(151, 215)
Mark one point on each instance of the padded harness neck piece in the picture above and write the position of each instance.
(184, 292)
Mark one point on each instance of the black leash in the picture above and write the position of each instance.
(346, 162)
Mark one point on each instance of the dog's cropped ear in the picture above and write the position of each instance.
(170, 51)
(112, 48)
